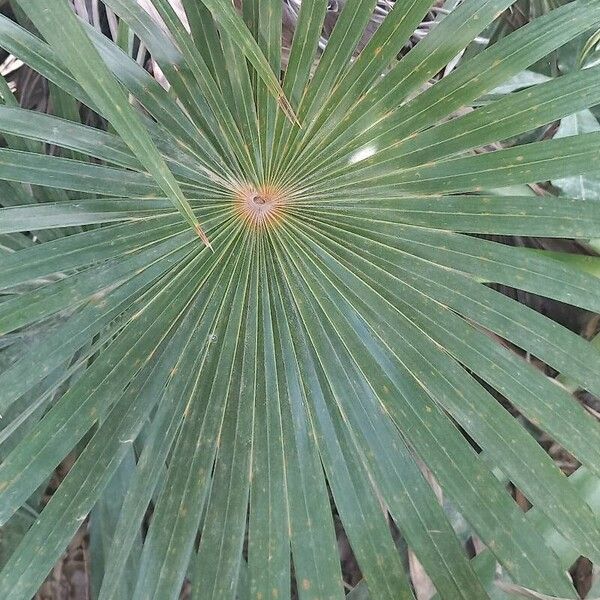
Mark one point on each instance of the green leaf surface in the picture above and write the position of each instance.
(338, 390)
(584, 186)
(233, 24)
(68, 40)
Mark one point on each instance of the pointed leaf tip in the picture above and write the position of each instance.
(203, 236)
(286, 107)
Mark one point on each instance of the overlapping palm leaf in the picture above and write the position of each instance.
(334, 342)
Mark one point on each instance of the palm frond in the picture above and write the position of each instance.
(341, 358)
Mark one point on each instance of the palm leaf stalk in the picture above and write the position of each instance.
(336, 343)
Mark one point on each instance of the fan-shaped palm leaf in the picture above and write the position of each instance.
(337, 338)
